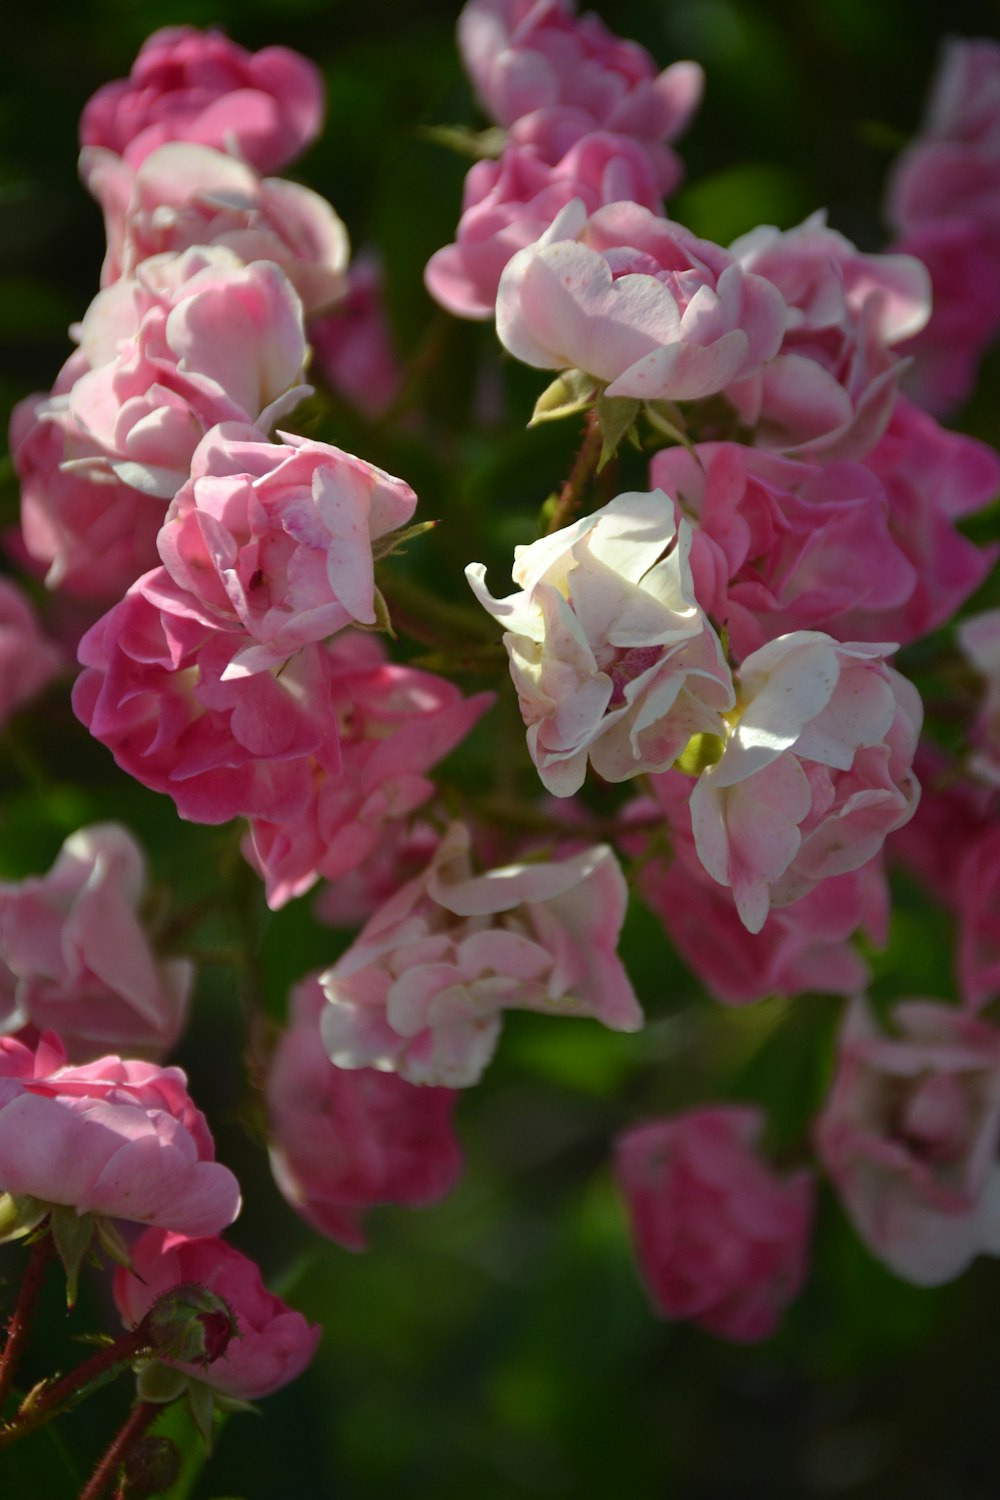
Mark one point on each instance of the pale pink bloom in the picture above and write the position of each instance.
(719, 1237)
(193, 340)
(507, 204)
(909, 1138)
(544, 72)
(613, 659)
(154, 690)
(80, 957)
(275, 540)
(422, 990)
(830, 391)
(979, 639)
(817, 770)
(28, 662)
(976, 899)
(344, 1140)
(395, 723)
(638, 303)
(185, 195)
(272, 1344)
(353, 345)
(188, 85)
(113, 1137)
(91, 533)
(802, 947)
(781, 545)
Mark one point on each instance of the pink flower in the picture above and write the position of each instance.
(155, 691)
(28, 662)
(780, 545)
(401, 852)
(343, 1141)
(611, 656)
(275, 540)
(194, 340)
(185, 195)
(544, 72)
(979, 639)
(112, 1137)
(396, 722)
(422, 990)
(802, 947)
(816, 771)
(81, 959)
(638, 303)
(909, 1138)
(189, 85)
(92, 533)
(976, 898)
(720, 1239)
(508, 203)
(830, 392)
(353, 345)
(272, 1345)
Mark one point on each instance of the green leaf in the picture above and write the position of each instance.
(202, 1401)
(616, 416)
(569, 393)
(72, 1234)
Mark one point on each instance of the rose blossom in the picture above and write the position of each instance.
(552, 76)
(979, 640)
(816, 771)
(507, 204)
(186, 195)
(830, 391)
(909, 1138)
(400, 852)
(113, 1137)
(422, 990)
(344, 1140)
(720, 1239)
(28, 662)
(188, 85)
(638, 303)
(195, 339)
(82, 962)
(272, 1344)
(977, 905)
(611, 656)
(275, 540)
(395, 723)
(353, 345)
(802, 947)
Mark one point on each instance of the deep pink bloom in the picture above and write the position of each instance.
(909, 1138)
(552, 76)
(185, 195)
(28, 662)
(344, 1140)
(113, 1137)
(353, 345)
(720, 1239)
(188, 85)
(508, 204)
(806, 946)
(830, 392)
(395, 723)
(81, 960)
(275, 540)
(193, 340)
(422, 990)
(638, 303)
(273, 1343)
(155, 691)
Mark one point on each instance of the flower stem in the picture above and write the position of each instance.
(142, 1415)
(20, 1319)
(580, 475)
(35, 1412)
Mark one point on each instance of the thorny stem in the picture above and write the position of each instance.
(142, 1415)
(580, 475)
(35, 1413)
(20, 1319)
(430, 620)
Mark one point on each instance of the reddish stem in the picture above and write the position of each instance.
(20, 1319)
(142, 1415)
(50, 1400)
(583, 470)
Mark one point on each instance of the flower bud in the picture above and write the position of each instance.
(151, 1468)
(189, 1323)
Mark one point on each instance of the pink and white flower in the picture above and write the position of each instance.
(613, 659)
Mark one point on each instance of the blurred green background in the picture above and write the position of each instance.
(500, 1345)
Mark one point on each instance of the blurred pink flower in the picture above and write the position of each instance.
(720, 1239)
(28, 661)
(353, 345)
(979, 640)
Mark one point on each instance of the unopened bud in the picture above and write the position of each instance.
(189, 1324)
(151, 1468)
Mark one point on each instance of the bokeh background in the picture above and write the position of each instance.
(500, 1344)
